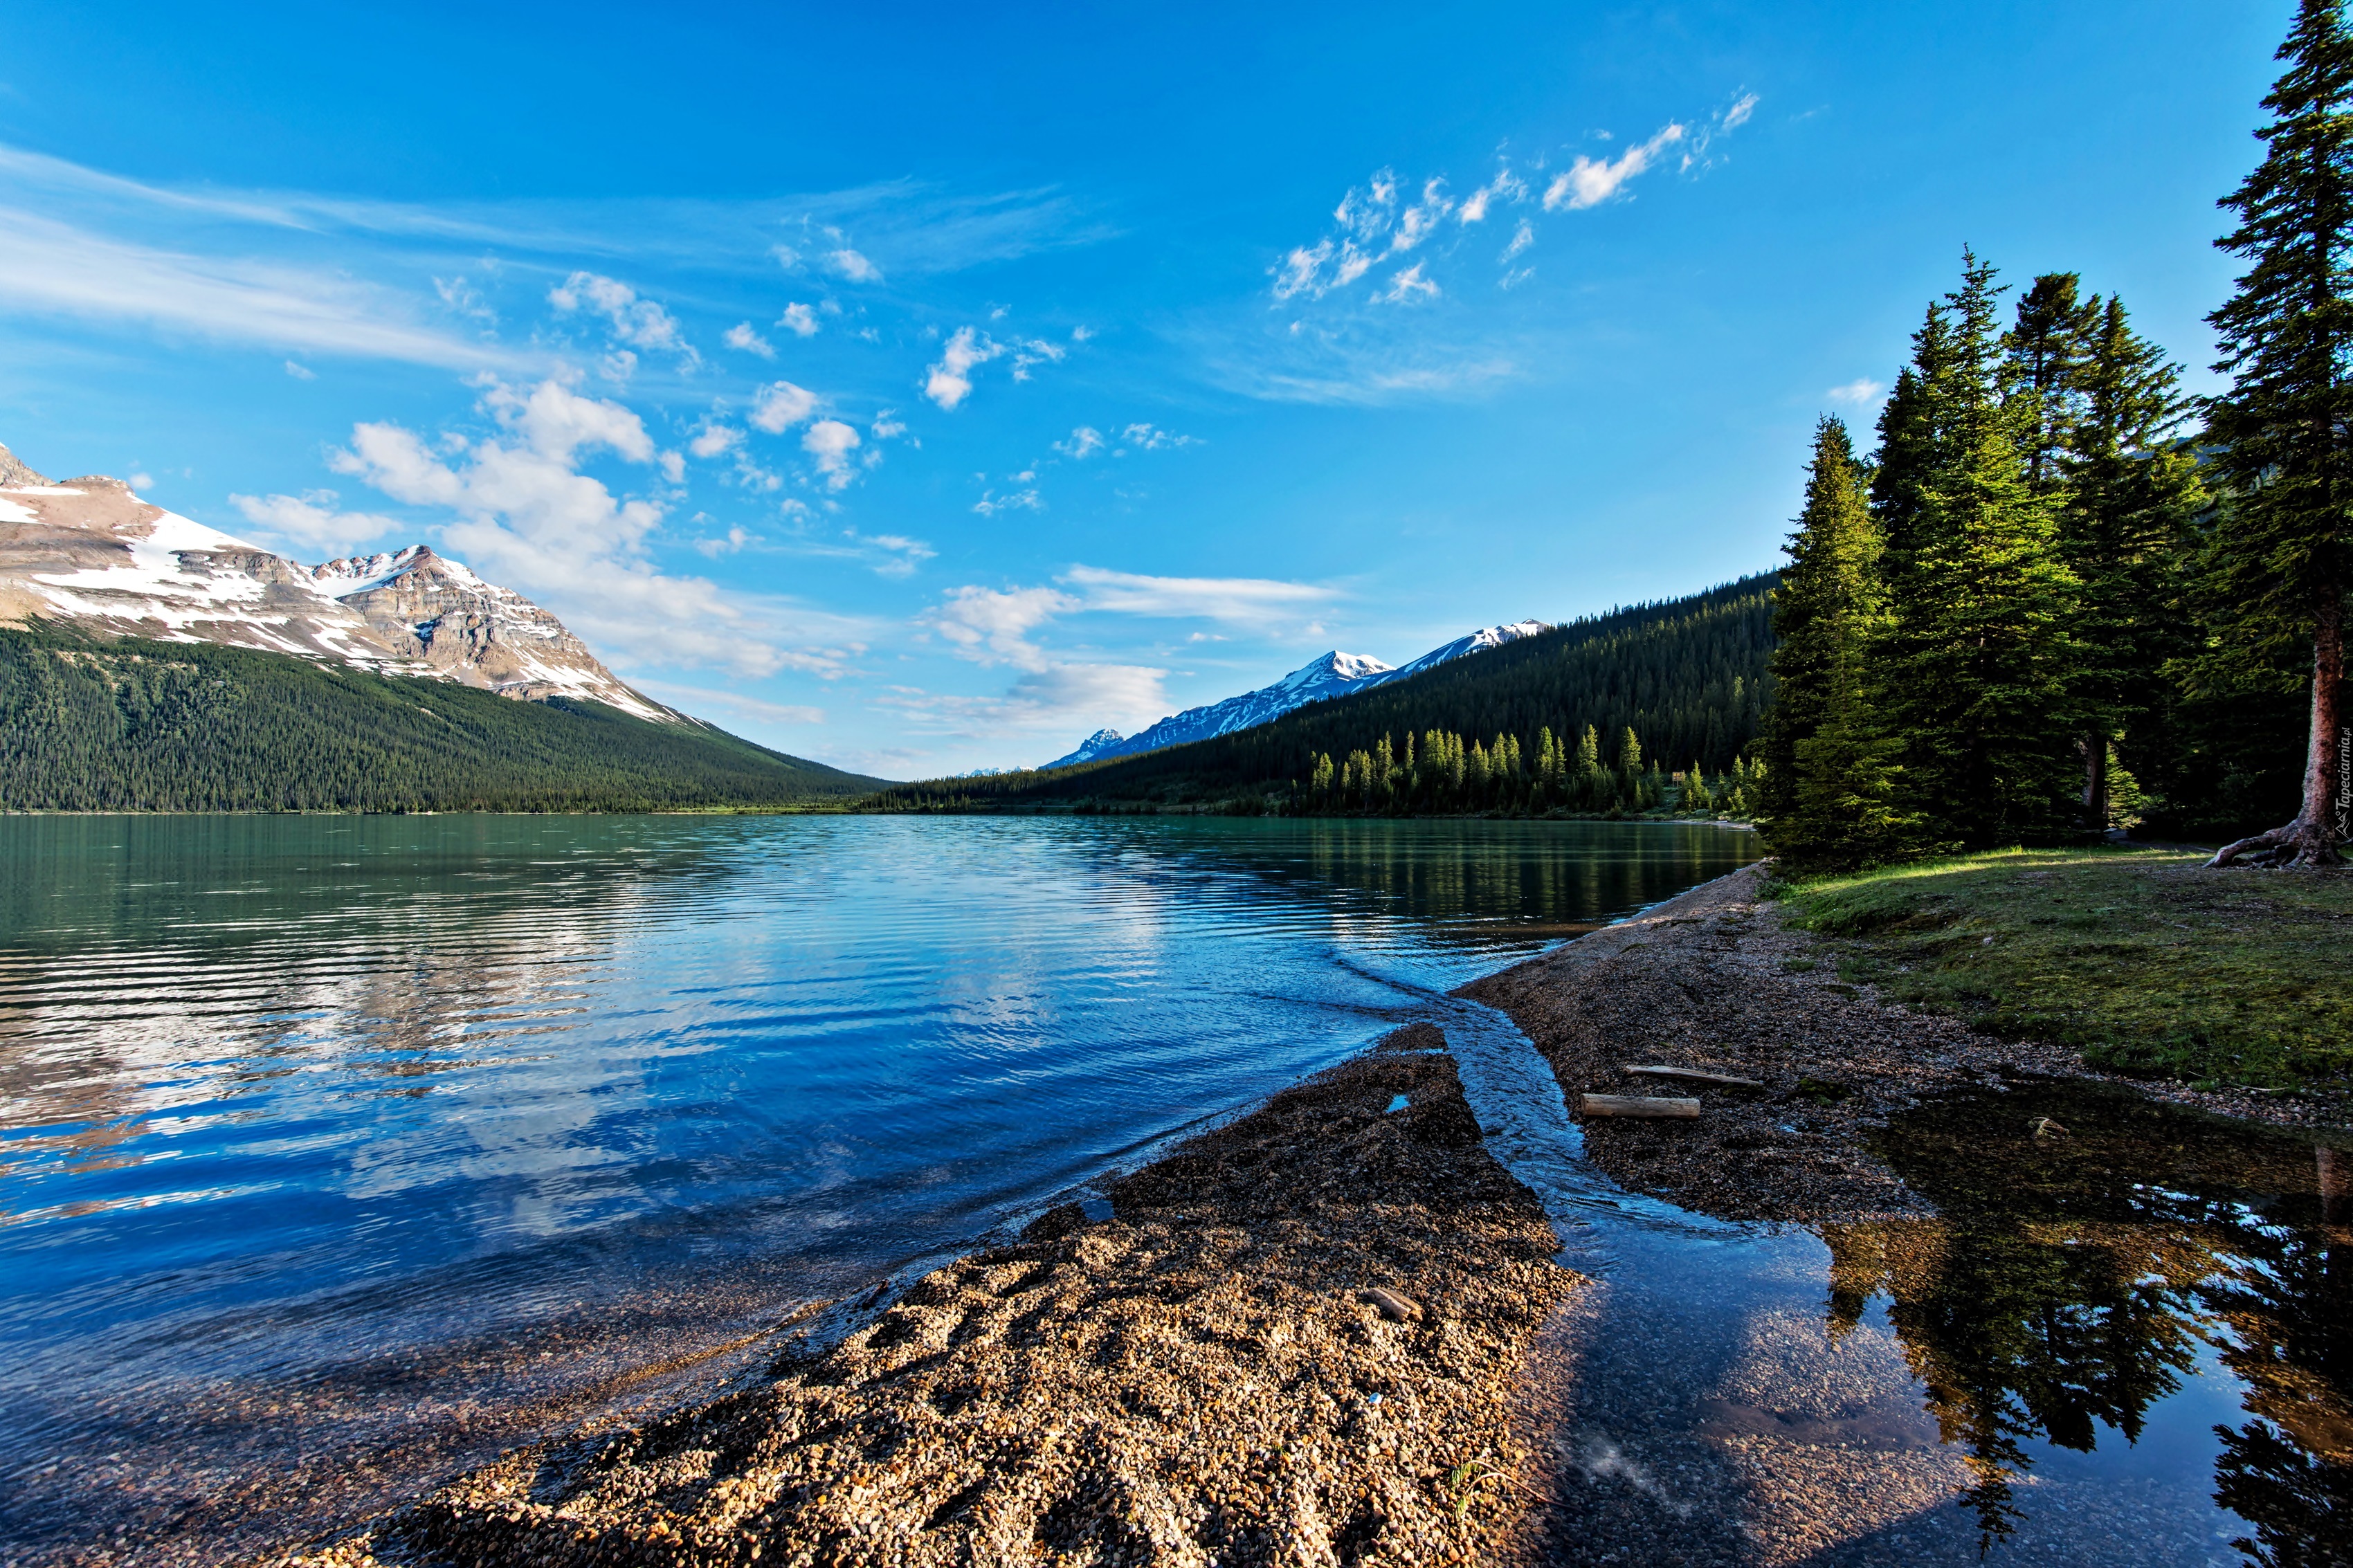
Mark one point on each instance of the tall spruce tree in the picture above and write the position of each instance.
(1824, 805)
(2279, 557)
(2132, 494)
(2045, 350)
(1975, 677)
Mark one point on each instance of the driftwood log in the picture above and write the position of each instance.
(1695, 1074)
(1591, 1105)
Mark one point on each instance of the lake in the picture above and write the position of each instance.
(339, 1152)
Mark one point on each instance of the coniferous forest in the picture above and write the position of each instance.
(2060, 597)
(128, 725)
(1640, 709)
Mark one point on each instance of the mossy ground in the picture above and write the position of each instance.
(2142, 959)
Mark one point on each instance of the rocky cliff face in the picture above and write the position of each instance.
(89, 553)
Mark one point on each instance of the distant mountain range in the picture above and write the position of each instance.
(150, 663)
(1336, 674)
(87, 553)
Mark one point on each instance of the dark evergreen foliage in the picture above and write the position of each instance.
(130, 725)
(1687, 677)
(2280, 558)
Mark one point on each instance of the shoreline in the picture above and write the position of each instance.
(1297, 1336)
(1205, 1373)
(1700, 981)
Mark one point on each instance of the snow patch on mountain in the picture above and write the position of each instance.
(92, 552)
(1336, 674)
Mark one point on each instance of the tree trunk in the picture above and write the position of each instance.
(2095, 780)
(2312, 838)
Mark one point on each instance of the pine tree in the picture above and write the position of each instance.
(1829, 614)
(1975, 677)
(2279, 563)
(2132, 494)
(2046, 349)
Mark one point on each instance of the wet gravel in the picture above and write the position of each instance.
(1714, 980)
(1207, 1376)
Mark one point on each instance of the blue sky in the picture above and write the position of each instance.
(918, 390)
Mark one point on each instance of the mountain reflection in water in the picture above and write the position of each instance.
(2082, 1272)
(337, 1154)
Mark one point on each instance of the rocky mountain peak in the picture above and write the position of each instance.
(91, 553)
(14, 473)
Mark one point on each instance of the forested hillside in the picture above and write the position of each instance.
(1685, 679)
(92, 725)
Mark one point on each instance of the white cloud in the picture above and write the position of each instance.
(1506, 187)
(780, 405)
(831, 442)
(992, 627)
(990, 504)
(1057, 699)
(1521, 238)
(1590, 181)
(1296, 273)
(949, 383)
(1406, 286)
(301, 372)
(905, 555)
(1241, 601)
(731, 543)
(526, 517)
(1862, 389)
(886, 426)
(557, 421)
(1085, 442)
(741, 336)
(798, 318)
(698, 700)
(49, 265)
(1419, 222)
(1737, 115)
(142, 481)
(1152, 438)
(852, 266)
(640, 324)
(310, 520)
(1032, 352)
(714, 439)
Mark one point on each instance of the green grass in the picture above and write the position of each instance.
(2141, 959)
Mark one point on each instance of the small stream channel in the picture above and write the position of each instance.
(2130, 1341)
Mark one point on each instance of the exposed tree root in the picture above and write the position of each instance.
(2302, 843)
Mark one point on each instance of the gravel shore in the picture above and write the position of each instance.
(1713, 980)
(1296, 1340)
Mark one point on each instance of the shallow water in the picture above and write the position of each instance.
(2127, 1339)
(338, 1152)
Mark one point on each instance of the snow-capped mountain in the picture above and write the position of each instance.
(1336, 674)
(91, 553)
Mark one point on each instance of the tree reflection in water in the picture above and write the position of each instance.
(2076, 1276)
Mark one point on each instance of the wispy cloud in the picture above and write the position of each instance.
(798, 320)
(48, 267)
(311, 522)
(990, 504)
(1590, 181)
(1259, 602)
(1377, 221)
(741, 336)
(701, 699)
(1058, 702)
(640, 324)
(1860, 390)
